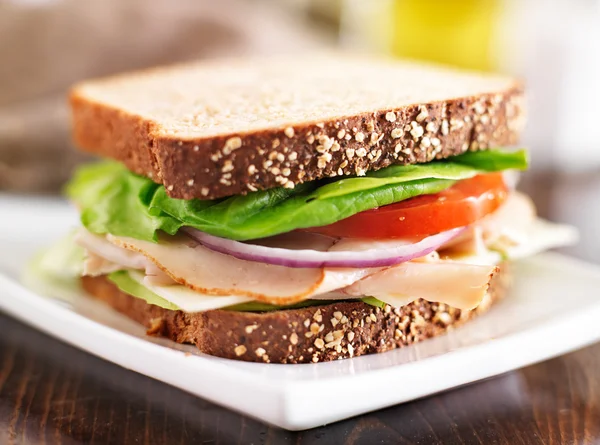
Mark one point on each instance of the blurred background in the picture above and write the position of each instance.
(46, 45)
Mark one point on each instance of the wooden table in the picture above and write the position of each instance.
(52, 393)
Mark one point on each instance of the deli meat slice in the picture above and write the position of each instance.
(213, 273)
(180, 260)
(460, 285)
(95, 265)
(103, 257)
(97, 246)
(512, 221)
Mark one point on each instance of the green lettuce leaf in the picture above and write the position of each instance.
(113, 200)
(374, 302)
(55, 271)
(235, 219)
(128, 285)
(459, 167)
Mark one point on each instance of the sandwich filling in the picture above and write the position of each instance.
(435, 231)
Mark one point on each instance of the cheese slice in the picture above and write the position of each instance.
(187, 299)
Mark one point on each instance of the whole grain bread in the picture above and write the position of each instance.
(312, 334)
(213, 129)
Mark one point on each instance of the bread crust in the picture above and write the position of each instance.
(312, 334)
(231, 164)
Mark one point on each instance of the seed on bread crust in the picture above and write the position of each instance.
(239, 350)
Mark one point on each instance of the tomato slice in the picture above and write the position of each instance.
(460, 205)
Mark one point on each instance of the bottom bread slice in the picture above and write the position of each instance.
(312, 334)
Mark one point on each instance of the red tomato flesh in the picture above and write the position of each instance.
(462, 204)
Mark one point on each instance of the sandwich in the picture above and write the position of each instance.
(300, 210)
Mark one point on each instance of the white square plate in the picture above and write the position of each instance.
(553, 308)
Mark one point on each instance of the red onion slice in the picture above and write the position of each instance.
(362, 254)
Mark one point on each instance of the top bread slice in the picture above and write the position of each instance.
(213, 129)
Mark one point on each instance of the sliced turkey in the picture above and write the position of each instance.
(103, 257)
(213, 273)
(462, 286)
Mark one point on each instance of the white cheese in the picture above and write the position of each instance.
(187, 299)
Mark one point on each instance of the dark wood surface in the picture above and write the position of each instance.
(52, 393)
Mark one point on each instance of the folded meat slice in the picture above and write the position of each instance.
(460, 285)
(511, 221)
(95, 265)
(508, 227)
(103, 257)
(97, 246)
(213, 273)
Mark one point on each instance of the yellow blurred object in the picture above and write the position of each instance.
(457, 32)
(454, 32)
